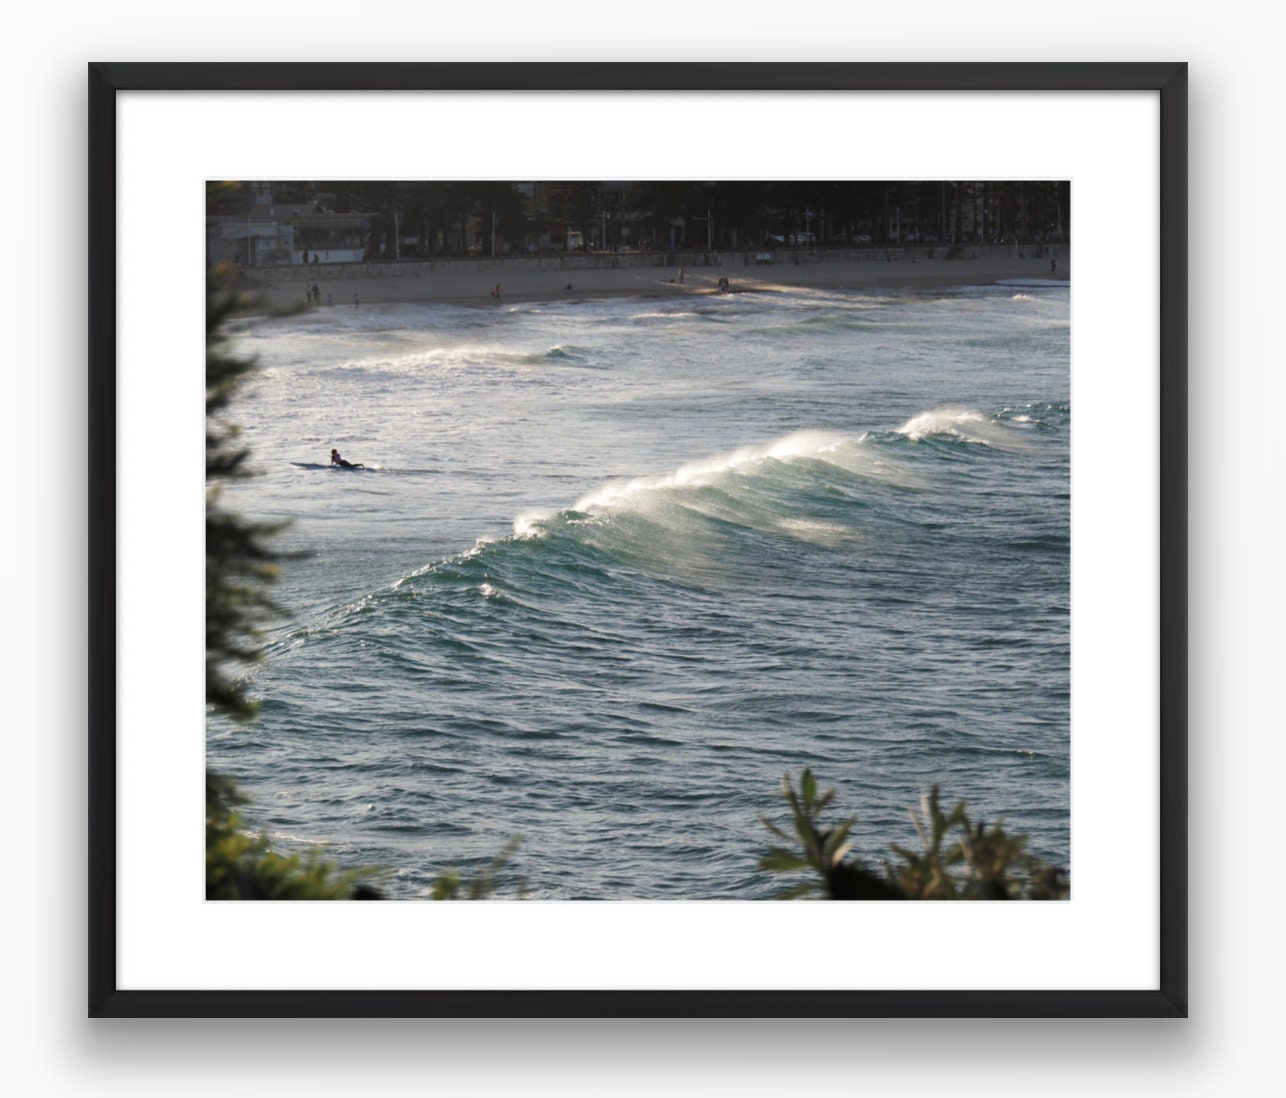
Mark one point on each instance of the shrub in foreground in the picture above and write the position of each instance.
(958, 859)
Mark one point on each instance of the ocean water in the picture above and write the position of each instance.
(617, 566)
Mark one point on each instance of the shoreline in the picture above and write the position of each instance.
(473, 288)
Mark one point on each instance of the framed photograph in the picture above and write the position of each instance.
(643, 502)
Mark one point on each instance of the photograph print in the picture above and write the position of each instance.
(638, 540)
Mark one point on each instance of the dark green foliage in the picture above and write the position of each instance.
(959, 860)
(560, 207)
(821, 849)
(240, 564)
(239, 561)
(421, 219)
(662, 203)
(979, 863)
(435, 213)
(239, 866)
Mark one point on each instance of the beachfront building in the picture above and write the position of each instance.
(325, 237)
(246, 226)
(248, 243)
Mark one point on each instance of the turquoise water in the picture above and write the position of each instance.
(616, 566)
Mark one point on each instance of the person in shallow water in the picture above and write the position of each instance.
(335, 459)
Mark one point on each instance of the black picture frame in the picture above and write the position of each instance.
(1168, 80)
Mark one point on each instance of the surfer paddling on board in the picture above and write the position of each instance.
(335, 459)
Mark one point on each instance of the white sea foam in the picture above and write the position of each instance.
(640, 492)
(965, 424)
(695, 474)
(819, 533)
(532, 524)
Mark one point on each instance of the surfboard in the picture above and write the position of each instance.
(337, 468)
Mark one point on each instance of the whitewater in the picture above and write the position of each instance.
(616, 566)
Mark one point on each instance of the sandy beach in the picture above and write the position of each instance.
(471, 282)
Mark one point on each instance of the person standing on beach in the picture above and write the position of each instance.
(356, 303)
(496, 293)
(680, 276)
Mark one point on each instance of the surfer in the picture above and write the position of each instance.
(335, 459)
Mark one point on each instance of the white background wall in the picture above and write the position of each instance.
(1227, 1047)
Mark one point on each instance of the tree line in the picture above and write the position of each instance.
(419, 219)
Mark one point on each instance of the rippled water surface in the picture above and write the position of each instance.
(615, 567)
